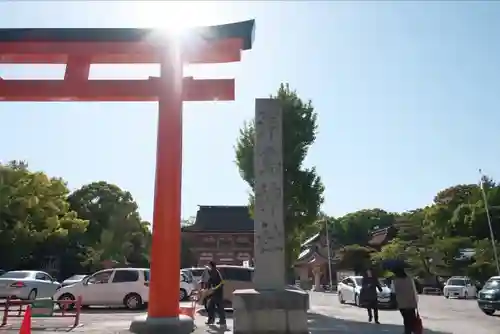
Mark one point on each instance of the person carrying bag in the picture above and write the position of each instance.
(215, 296)
(407, 299)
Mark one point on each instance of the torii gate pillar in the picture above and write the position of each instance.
(78, 49)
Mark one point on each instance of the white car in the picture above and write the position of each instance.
(116, 287)
(459, 287)
(110, 287)
(187, 286)
(349, 288)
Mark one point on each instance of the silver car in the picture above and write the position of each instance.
(27, 284)
(73, 280)
(197, 275)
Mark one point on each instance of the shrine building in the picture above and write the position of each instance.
(223, 234)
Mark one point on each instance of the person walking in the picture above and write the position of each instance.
(368, 295)
(406, 298)
(216, 297)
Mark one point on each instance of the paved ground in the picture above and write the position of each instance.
(440, 316)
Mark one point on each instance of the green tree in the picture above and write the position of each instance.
(394, 250)
(354, 257)
(116, 231)
(452, 261)
(188, 222)
(35, 219)
(356, 227)
(303, 189)
(414, 244)
(484, 265)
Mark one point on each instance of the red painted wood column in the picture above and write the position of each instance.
(165, 252)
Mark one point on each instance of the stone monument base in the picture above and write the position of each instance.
(146, 325)
(318, 288)
(270, 311)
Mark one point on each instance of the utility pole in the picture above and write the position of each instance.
(492, 235)
(329, 255)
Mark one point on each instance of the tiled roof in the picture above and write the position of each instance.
(381, 236)
(222, 219)
(314, 238)
(378, 239)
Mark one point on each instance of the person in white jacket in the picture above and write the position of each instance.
(406, 297)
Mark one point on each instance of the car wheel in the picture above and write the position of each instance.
(32, 294)
(182, 294)
(132, 301)
(341, 298)
(66, 297)
(356, 300)
(488, 312)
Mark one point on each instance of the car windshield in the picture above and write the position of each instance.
(16, 274)
(492, 284)
(188, 273)
(197, 272)
(76, 278)
(459, 282)
(359, 281)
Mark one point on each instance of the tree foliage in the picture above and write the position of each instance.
(34, 215)
(451, 236)
(39, 217)
(303, 189)
(115, 231)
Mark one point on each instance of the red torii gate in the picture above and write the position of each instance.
(78, 49)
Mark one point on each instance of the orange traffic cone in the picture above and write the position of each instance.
(26, 324)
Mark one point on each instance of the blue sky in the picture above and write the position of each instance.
(406, 92)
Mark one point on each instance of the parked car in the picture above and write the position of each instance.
(459, 287)
(188, 274)
(235, 278)
(349, 289)
(27, 284)
(488, 298)
(187, 286)
(196, 274)
(73, 280)
(110, 287)
(127, 287)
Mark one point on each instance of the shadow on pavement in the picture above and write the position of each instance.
(229, 313)
(319, 323)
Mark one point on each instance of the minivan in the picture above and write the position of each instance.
(235, 278)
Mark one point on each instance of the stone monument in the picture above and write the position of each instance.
(272, 307)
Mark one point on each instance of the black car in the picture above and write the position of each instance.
(488, 299)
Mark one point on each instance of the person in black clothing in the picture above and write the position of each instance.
(215, 301)
(368, 294)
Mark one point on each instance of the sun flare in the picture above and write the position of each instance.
(175, 17)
